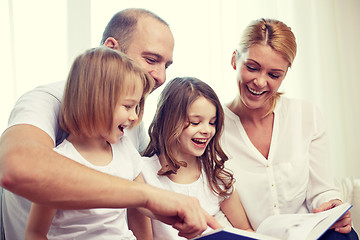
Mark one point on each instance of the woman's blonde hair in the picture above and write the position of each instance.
(275, 34)
(97, 80)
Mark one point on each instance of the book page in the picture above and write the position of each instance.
(233, 234)
(301, 226)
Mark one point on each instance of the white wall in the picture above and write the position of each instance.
(47, 35)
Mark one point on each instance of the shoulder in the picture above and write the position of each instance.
(150, 168)
(290, 106)
(152, 163)
(68, 150)
(138, 136)
(229, 115)
(126, 146)
(52, 90)
(297, 111)
(39, 107)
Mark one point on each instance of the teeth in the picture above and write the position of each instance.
(200, 140)
(254, 91)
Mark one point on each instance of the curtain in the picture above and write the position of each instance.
(42, 37)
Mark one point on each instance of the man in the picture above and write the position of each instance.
(30, 168)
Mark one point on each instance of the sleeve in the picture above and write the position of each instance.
(321, 186)
(139, 137)
(144, 138)
(136, 160)
(40, 108)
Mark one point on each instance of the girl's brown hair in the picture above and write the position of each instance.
(96, 81)
(171, 118)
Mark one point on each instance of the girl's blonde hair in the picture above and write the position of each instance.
(96, 82)
(275, 34)
(171, 118)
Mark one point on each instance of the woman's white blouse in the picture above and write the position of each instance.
(296, 176)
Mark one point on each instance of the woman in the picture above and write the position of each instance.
(277, 146)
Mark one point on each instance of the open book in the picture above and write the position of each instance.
(307, 226)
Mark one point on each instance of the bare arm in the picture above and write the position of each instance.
(30, 168)
(139, 224)
(235, 212)
(39, 222)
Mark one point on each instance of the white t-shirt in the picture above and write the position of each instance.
(295, 178)
(199, 189)
(100, 223)
(40, 108)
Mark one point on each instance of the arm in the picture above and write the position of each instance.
(322, 194)
(139, 224)
(39, 222)
(30, 168)
(235, 212)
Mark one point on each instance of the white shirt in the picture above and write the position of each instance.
(199, 189)
(99, 223)
(295, 178)
(40, 107)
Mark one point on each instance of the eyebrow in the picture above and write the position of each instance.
(200, 116)
(273, 69)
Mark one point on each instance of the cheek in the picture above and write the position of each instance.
(275, 85)
(213, 132)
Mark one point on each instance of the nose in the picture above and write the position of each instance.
(133, 116)
(159, 75)
(260, 81)
(206, 129)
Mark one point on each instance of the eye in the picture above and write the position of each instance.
(127, 107)
(212, 123)
(251, 68)
(150, 60)
(194, 123)
(275, 76)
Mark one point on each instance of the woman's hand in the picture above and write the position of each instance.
(343, 225)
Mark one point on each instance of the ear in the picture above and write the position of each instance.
(233, 60)
(112, 43)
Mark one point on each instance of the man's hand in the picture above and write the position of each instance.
(343, 225)
(182, 212)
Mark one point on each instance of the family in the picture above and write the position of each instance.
(77, 162)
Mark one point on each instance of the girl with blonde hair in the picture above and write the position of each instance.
(104, 95)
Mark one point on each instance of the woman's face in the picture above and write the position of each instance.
(260, 72)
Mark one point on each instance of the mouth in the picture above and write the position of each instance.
(201, 142)
(254, 92)
(121, 127)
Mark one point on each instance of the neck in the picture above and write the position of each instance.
(95, 143)
(95, 150)
(184, 175)
(245, 114)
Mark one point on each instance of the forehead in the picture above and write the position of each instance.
(202, 107)
(267, 56)
(153, 36)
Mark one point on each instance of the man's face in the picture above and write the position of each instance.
(152, 48)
